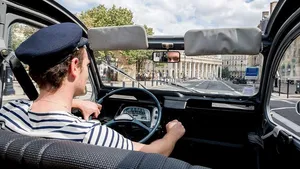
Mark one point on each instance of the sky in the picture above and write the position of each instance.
(175, 17)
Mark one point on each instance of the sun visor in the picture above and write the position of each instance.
(118, 38)
(245, 41)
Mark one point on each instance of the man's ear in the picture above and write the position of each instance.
(74, 67)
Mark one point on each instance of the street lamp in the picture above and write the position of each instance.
(184, 67)
(236, 71)
(191, 68)
(241, 68)
(153, 66)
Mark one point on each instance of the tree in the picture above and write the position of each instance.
(19, 33)
(225, 73)
(101, 16)
(139, 56)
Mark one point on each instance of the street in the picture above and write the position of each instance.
(215, 87)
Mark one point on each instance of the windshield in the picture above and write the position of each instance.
(214, 74)
(225, 75)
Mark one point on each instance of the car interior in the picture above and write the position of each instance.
(240, 135)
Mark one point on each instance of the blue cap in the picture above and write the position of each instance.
(51, 45)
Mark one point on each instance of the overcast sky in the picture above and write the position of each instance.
(175, 17)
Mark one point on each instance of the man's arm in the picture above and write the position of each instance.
(165, 145)
(162, 146)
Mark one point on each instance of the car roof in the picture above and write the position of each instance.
(50, 8)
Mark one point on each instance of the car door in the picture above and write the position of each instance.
(19, 21)
(281, 126)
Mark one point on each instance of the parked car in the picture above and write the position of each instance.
(239, 81)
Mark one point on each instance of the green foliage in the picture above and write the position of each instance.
(160, 64)
(19, 33)
(101, 16)
(137, 57)
(225, 73)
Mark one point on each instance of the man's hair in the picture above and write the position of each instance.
(53, 77)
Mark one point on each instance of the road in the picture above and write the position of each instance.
(215, 87)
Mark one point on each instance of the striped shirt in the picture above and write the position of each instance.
(16, 117)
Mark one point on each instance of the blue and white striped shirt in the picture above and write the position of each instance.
(16, 117)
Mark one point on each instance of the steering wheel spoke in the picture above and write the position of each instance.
(142, 125)
(110, 123)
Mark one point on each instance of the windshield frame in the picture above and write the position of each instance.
(155, 43)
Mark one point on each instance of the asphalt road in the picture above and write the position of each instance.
(217, 87)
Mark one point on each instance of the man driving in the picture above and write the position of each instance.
(58, 63)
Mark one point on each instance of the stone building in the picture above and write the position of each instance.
(200, 67)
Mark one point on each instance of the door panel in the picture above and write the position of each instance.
(281, 145)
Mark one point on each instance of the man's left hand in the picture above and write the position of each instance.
(87, 108)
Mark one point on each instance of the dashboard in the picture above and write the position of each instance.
(148, 116)
(139, 113)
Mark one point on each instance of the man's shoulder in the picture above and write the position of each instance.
(18, 103)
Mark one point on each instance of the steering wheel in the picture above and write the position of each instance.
(126, 118)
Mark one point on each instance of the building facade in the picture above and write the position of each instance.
(289, 68)
(237, 64)
(200, 67)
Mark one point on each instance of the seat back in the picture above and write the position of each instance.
(19, 151)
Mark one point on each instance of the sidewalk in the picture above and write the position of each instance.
(283, 88)
(133, 83)
(284, 96)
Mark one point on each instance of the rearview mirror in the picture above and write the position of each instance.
(166, 56)
(298, 107)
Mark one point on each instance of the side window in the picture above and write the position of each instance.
(286, 89)
(12, 90)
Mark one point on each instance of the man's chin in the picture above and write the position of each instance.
(80, 93)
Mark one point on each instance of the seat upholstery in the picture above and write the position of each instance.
(19, 151)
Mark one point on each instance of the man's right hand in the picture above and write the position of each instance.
(175, 129)
(165, 145)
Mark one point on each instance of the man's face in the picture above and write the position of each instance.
(83, 75)
(173, 57)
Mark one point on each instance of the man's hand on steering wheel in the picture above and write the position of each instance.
(88, 108)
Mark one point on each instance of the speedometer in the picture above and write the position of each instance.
(139, 113)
